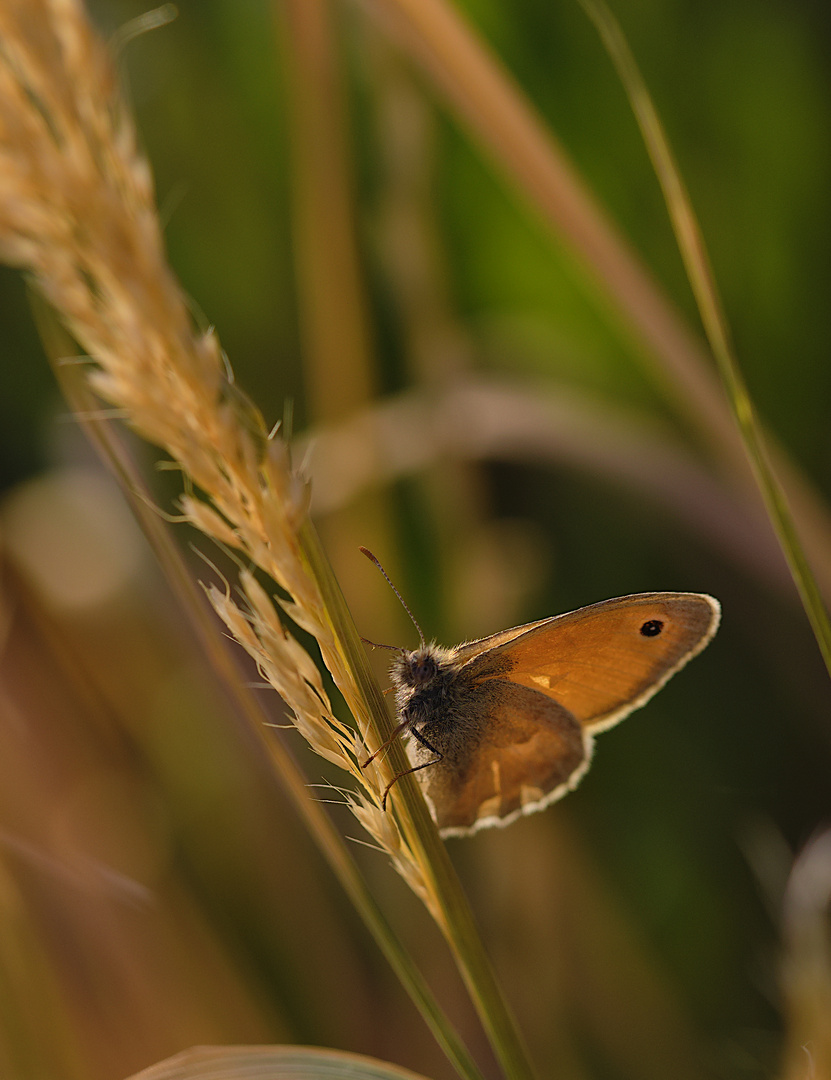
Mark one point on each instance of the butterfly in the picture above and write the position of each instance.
(504, 726)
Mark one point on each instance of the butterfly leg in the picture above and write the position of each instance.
(415, 768)
(416, 734)
(399, 728)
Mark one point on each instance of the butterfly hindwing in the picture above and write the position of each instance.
(518, 751)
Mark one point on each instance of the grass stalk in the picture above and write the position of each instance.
(286, 770)
(338, 349)
(702, 280)
(78, 213)
(484, 97)
(448, 902)
(338, 365)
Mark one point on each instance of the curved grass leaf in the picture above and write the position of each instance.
(272, 1063)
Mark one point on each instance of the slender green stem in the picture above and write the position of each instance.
(702, 280)
(453, 912)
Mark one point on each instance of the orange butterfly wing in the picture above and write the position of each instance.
(519, 751)
(600, 662)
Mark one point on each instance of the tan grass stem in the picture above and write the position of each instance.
(337, 355)
(286, 770)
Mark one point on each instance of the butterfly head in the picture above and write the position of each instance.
(416, 669)
(423, 681)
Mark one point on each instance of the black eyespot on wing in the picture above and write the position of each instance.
(652, 627)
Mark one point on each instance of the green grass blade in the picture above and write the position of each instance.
(453, 912)
(699, 271)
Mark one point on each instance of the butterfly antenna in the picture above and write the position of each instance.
(372, 558)
(378, 645)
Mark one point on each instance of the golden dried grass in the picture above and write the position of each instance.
(77, 212)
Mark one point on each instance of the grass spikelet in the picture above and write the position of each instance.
(77, 210)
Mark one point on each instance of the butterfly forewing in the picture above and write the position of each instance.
(602, 661)
(470, 649)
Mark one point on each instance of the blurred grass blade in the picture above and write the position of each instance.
(486, 418)
(339, 362)
(338, 365)
(272, 1063)
(486, 99)
(807, 964)
(489, 103)
(700, 274)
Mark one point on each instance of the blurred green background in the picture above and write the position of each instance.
(157, 891)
